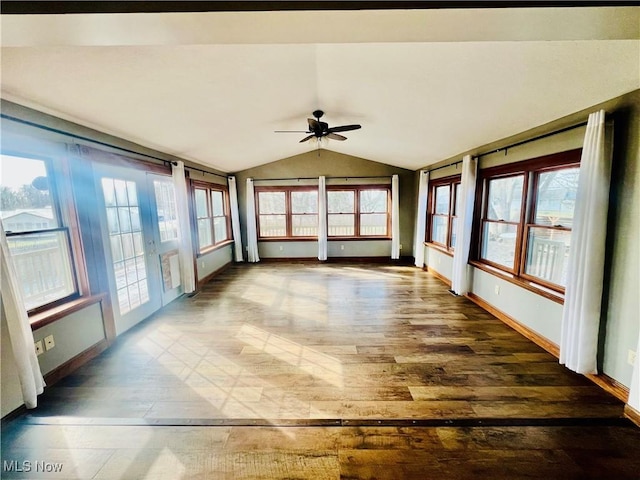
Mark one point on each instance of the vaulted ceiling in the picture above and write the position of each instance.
(425, 85)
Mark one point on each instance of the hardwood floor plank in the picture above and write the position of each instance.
(303, 370)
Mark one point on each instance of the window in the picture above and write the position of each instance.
(39, 242)
(212, 212)
(166, 209)
(362, 211)
(287, 212)
(443, 211)
(526, 218)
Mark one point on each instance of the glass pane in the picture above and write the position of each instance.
(135, 219)
(127, 245)
(556, 197)
(271, 202)
(341, 225)
(304, 202)
(132, 196)
(116, 248)
(454, 223)
(341, 201)
(220, 229)
(505, 198)
(439, 229)
(273, 225)
(373, 224)
(304, 225)
(25, 201)
(373, 201)
(204, 232)
(442, 200)
(201, 203)
(43, 266)
(112, 220)
(498, 243)
(456, 206)
(166, 210)
(121, 279)
(125, 219)
(137, 244)
(109, 192)
(548, 254)
(217, 203)
(121, 192)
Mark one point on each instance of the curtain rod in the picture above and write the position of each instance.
(539, 137)
(517, 144)
(97, 142)
(314, 178)
(205, 171)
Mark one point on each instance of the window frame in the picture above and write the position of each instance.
(357, 213)
(530, 170)
(452, 182)
(288, 213)
(65, 213)
(209, 188)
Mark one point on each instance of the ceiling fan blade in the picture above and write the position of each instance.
(307, 138)
(344, 128)
(335, 136)
(313, 124)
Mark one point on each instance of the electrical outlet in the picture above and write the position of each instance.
(400, 248)
(281, 247)
(497, 289)
(49, 343)
(341, 247)
(39, 349)
(631, 357)
(202, 264)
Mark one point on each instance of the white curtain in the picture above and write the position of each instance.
(20, 333)
(395, 218)
(421, 219)
(583, 294)
(252, 229)
(460, 277)
(185, 244)
(235, 219)
(322, 218)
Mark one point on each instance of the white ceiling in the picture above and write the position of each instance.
(425, 84)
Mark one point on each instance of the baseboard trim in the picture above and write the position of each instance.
(610, 385)
(632, 414)
(603, 380)
(214, 274)
(437, 274)
(536, 338)
(76, 362)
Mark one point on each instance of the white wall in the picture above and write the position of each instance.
(214, 261)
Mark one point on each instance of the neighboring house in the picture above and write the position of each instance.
(26, 220)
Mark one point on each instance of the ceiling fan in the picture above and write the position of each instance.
(318, 129)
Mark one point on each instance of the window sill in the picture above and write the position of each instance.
(315, 239)
(439, 248)
(288, 239)
(215, 247)
(527, 285)
(51, 315)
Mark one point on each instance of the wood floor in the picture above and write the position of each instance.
(310, 371)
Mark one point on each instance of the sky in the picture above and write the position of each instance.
(18, 171)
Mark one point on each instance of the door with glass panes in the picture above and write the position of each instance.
(139, 229)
